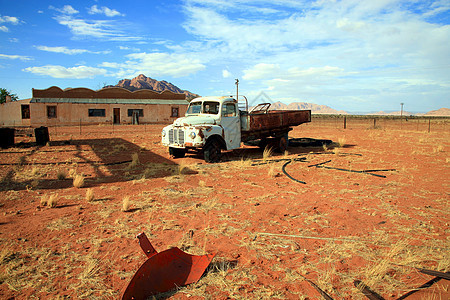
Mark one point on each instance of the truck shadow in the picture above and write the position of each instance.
(297, 146)
(99, 160)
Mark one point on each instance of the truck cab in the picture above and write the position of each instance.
(210, 123)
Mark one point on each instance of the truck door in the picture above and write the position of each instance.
(231, 125)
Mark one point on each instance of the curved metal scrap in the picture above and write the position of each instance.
(165, 271)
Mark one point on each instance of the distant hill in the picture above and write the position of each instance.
(315, 108)
(143, 82)
(440, 112)
(394, 113)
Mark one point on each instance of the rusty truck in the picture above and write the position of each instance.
(213, 124)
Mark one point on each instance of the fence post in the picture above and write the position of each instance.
(374, 123)
(345, 122)
(429, 125)
(80, 126)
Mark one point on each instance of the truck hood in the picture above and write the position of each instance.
(194, 120)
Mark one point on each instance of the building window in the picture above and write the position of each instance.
(96, 112)
(174, 112)
(26, 111)
(140, 112)
(51, 112)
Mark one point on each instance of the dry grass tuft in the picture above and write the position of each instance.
(439, 148)
(52, 201)
(243, 163)
(271, 172)
(268, 151)
(134, 160)
(61, 174)
(44, 199)
(78, 180)
(341, 142)
(182, 167)
(126, 204)
(90, 195)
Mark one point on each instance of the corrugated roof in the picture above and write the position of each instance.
(109, 101)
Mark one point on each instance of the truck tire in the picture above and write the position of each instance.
(177, 152)
(282, 143)
(212, 151)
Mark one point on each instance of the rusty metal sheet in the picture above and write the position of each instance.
(146, 246)
(164, 271)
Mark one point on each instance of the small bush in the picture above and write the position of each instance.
(134, 160)
(126, 203)
(268, 151)
(90, 195)
(44, 199)
(52, 201)
(78, 180)
(61, 174)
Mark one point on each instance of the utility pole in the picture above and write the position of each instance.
(401, 115)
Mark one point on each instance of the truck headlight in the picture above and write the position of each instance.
(163, 133)
(192, 135)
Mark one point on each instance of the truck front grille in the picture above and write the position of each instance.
(176, 136)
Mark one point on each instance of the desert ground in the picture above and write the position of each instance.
(70, 212)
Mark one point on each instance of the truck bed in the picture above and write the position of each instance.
(272, 122)
(274, 119)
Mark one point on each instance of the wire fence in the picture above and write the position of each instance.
(419, 124)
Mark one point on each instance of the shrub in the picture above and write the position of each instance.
(78, 180)
(126, 203)
(90, 195)
(52, 201)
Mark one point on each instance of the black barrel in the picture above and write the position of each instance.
(7, 137)
(41, 135)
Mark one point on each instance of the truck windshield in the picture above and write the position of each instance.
(207, 107)
(194, 108)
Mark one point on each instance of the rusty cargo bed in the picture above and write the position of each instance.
(273, 123)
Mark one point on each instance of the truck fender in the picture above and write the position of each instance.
(220, 139)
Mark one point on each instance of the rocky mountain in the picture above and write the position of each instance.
(315, 108)
(143, 82)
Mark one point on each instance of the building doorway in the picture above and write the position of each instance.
(116, 115)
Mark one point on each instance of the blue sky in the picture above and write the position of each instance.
(351, 55)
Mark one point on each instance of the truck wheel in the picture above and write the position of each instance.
(177, 152)
(212, 151)
(282, 144)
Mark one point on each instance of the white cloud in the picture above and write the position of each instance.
(67, 9)
(226, 73)
(66, 50)
(20, 57)
(260, 71)
(8, 19)
(157, 64)
(104, 10)
(63, 72)
(101, 29)
(325, 50)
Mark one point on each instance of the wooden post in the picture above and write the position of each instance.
(429, 125)
(80, 126)
(345, 122)
(374, 123)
